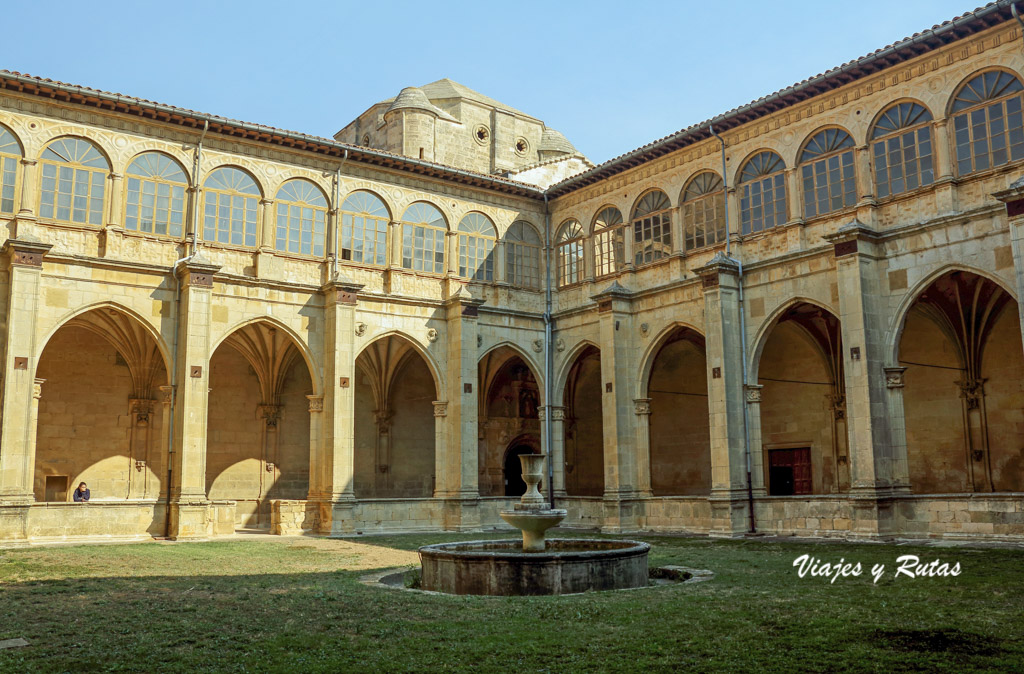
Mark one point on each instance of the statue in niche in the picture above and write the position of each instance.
(527, 404)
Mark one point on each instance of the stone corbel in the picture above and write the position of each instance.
(440, 408)
(26, 251)
(894, 377)
(642, 406)
(853, 238)
(316, 403)
(753, 393)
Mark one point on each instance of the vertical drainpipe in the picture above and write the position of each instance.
(196, 176)
(743, 336)
(548, 354)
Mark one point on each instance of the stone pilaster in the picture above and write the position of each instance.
(457, 476)
(622, 510)
(556, 452)
(642, 409)
(332, 464)
(23, 259)
(726, 397)
(757, 472)
(1014, 200)
(189, 505)
(26, 217)
(863, 324)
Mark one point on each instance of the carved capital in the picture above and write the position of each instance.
(316, 403)
(166, 394)
(440, 408)
(972, 391)
(894, 377)
(558, 414)
(837, 403)
(642, 406)
(271, 414)
(753, 393)
(141, 408)
(37, 388)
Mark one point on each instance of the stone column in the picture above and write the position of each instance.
(114, 229)
(794, 196)
(458, 460)
(316, 415)
(726, 399)
(25, 220)
(946, 198)
(733, 222)
(863, 325)
(141, 437)
(189, 505)
(440, 441)
(622, 510)
(642, 409)
(753, 402)
(166, 418)
(23, 259)
(556, 452)
(333, 462)
(897, 428)
(268, 233)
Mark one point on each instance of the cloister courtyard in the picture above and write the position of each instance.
(263, 603)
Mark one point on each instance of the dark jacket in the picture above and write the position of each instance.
(79, 496)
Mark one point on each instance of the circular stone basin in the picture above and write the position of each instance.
(567, 566)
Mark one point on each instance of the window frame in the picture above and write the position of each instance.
(345, 214)
(777, 176)
(700, 201)
(609, 243)
(75, 167)
(884, 144)
(156, 182)
(576, 242)
(969, 116)
(9, 163)
(233, 194)
(639, 222)
(409, 230)
(515, 259)
(315, 210)
(483, 270)
(820, 166)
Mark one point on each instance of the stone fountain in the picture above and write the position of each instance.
(535, 565)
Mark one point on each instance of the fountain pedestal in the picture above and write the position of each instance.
(531, 515)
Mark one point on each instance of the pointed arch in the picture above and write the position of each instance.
(765, 329)
(651, 352)
(300, 345)
(558, 388)
(535, 367)
(432, 366)
(899, 317)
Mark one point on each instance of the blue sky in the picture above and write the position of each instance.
(611, 76)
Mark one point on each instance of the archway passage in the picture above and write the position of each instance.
(508, 409)
(513, 468)
(257, 446)
(963, 390)
(584, 432)
(680, 430)
(394, 421)
(803, 405)
(99, 418)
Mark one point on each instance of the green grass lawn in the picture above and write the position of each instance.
(296, 604)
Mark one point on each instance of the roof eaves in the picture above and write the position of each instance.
(958, 28)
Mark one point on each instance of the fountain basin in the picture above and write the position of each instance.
(567, 566)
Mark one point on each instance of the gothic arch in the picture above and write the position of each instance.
(435, 370)
(764, 331)
(297, 342)
(568, 361)
(651, 353)
(535, 369)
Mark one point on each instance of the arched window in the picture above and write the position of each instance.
(522, 255)
(763, 192)
(301, 218)
(826, 166)
(609, 242)
(10, 154)
(364, 229)
(569, 243)
(231, 197)
(423, 232)
(74, 182)
(704, 211)
(902, 148)
(652, 229)
(155, 195)
(987, 122)
(476, 247)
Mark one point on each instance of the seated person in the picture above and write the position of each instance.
(81, 493)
